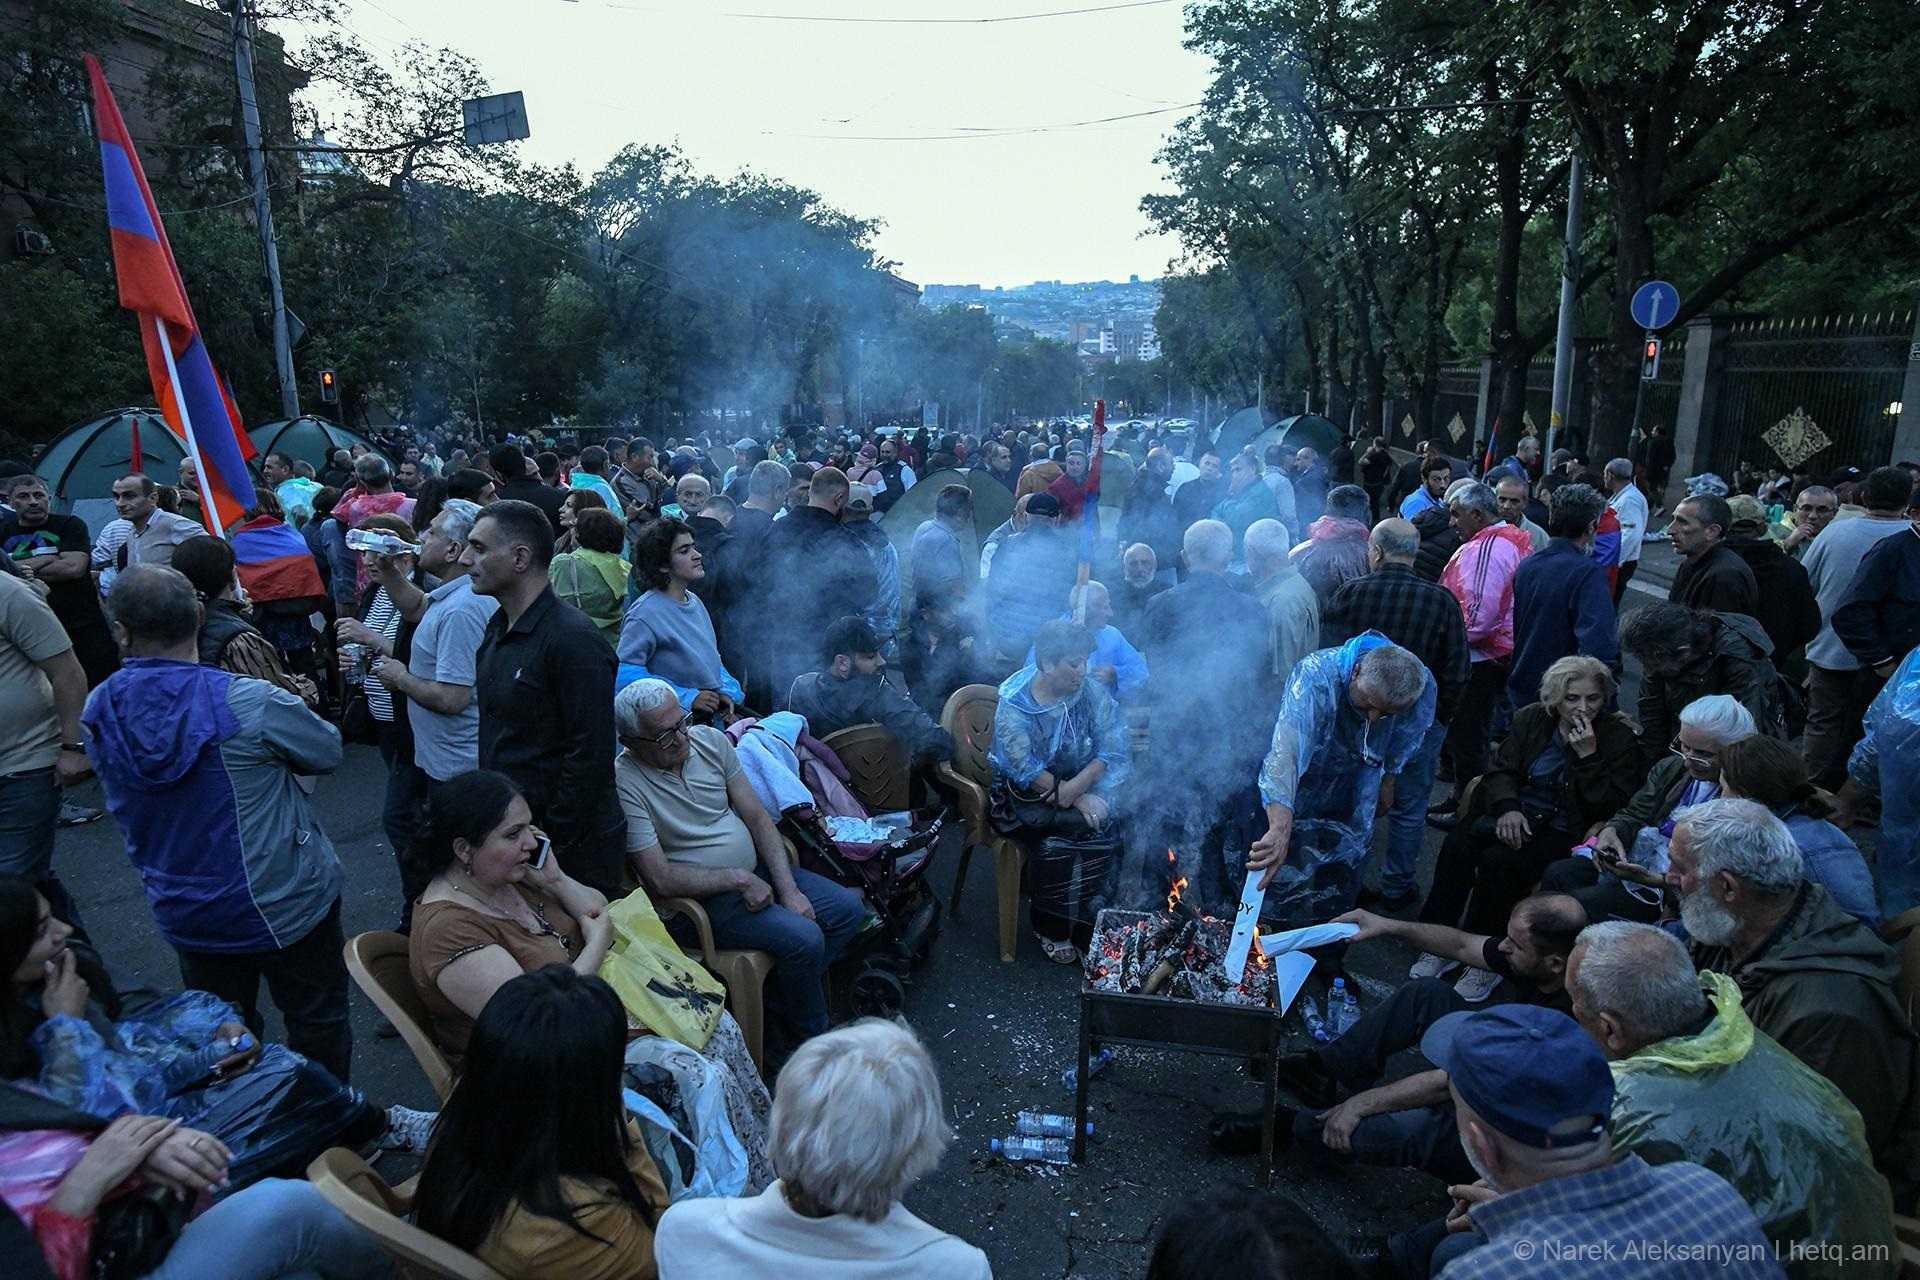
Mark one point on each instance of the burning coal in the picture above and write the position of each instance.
(1177, 953)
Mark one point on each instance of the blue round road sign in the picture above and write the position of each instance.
(1655, 304)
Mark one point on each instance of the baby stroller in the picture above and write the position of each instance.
(885, 857)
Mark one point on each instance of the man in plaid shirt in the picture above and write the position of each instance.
(1532, 1093)
(1424, 619)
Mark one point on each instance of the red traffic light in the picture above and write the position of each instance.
(1650, 361)
(329, 387)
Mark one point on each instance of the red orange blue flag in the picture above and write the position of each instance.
(191, 393)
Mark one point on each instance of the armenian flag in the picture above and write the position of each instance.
(273, 561)
(192, 395)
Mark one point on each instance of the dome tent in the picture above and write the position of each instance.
(82, 463)
(308, 439)
(992, 505)
(1301, 431)
(1240, 428)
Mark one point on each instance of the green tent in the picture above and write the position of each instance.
(992, 505)
(1301, 431)
(308, 439)
(82, 463)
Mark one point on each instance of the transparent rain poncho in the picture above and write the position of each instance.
(1887, 762)
(1325, 764)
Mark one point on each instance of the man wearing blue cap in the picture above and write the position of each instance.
(1531, 1095)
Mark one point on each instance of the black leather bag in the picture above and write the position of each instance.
(132, 1233)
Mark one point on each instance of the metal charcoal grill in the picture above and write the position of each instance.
(1156, 1021)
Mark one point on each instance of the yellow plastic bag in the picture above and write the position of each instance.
(664, 992)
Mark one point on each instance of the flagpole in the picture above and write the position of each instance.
(207, 505)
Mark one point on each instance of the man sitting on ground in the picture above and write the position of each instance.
(1407, 1122)
(1812, 977)
(1694, 1080)
(695, 829)
(853, 689)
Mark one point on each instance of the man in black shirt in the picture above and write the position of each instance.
(1410, 1122)
(544, 680)
(55, 549)
(515, 481)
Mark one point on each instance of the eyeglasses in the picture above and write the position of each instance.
(662, 739)
(1690, 755)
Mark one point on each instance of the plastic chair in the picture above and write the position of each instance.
(878, 766)
(743, 973)
(364, 1198)
(968, 716)
(378, 963)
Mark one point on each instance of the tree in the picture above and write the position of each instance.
(1781, 124)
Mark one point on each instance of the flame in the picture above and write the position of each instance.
(1173, 894)
(1258, 952)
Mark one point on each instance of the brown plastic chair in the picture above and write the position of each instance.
(743, 973)
(364, 1199)
(378, 963)
(878, 765)
(968, 716)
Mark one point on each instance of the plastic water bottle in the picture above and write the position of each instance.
(1310, 1015)
(1342, 1009)
(1017, 1148)
(1044, 1124)
(1095, 1065)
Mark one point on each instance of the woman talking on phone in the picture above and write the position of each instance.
(499, 905)
(1568, 765)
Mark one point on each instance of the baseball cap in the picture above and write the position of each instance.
(1749, 517)
(746, 442)
(1526, 1070)
(1043, 504)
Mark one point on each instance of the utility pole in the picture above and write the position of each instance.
(263, 207)
(1563, 337)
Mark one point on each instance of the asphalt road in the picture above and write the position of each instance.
(1001, 1035)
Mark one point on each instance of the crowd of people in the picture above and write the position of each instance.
(596, 672)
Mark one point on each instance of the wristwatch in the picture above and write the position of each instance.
(80, 747)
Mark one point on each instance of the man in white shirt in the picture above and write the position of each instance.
(1630, 509)
(155, 533)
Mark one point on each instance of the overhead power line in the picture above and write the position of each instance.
(902, 22)
(965, 133)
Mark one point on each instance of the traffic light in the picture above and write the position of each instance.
(1650, 360)
(329, 387)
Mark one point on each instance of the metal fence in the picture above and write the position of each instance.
(1822, 391)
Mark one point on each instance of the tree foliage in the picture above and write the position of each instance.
(1739, 149)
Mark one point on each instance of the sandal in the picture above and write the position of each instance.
(1059, 950)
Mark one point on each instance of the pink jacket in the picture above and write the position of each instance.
(1480, 575)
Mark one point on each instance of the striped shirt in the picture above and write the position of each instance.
(383, 618)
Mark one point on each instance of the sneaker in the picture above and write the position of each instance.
(1476, 985)
(78, 815)
(1430, 965)
(1058, 950)
(407, 1130)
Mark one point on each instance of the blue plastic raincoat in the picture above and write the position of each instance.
(1063, 737)
(1325, 765)
(158, 1062)
(1887, 761)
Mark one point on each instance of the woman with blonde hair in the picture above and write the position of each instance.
(1568, 765)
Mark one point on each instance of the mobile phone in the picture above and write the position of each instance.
(539, 859)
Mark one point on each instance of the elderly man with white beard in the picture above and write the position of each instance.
(1810, 975)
